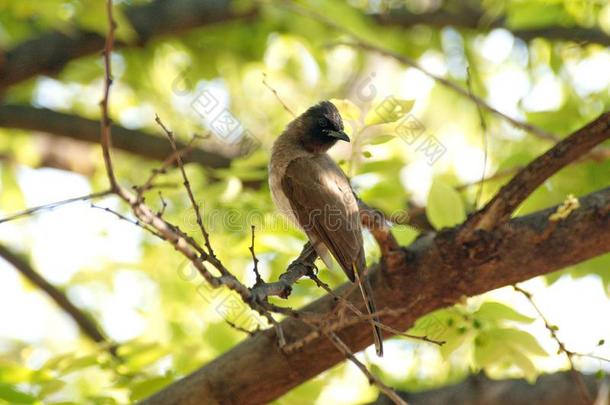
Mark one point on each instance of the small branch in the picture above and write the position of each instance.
(562, 348)
(484, 141)
(54, 205)
(345, 350)
(299, 268)
(503, 204)
(334, 325)
(86, 324)
(259, 279)
(187, 186)
(277, 95)
(106, 139)
(474, 19)
(173, 157)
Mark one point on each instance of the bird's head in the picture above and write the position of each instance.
(320, 127)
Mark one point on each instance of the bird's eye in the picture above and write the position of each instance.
(322, 122)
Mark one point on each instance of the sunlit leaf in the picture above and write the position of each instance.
(444, 207)
(389, 110)
(496, 311)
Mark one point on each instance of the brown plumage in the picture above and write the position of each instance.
(311, 190)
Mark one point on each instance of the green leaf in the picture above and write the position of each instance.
(380, 139)
(14, 373)
(389, 110)
(519, 340)
(495, 311)
(444, 207)
(14, 396)
(51, 387)
(367, 154)
(525, 364)
(139, 355)
(348, 110)
(146, 388)
(487, 352)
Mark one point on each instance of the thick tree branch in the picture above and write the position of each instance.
(82, 129)
(474, 19)
(435, 273)
(51, 51)
(550, 389)
(504, 203)
(84, 322)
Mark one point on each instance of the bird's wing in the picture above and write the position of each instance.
(324, 204)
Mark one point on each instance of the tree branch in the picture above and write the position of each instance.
(51, 51)
(549, 389)
(510, 196)
(474, 19)
(84, 322)
(434, 274)
(82, 129)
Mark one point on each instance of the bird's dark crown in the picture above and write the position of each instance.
(320, 127)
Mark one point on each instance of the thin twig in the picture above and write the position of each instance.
(135, 222)
(345, 350)
(277, 95)
(360, 316)
(477, 199)
(54, 205)
(187, 186)
(148, 184)
(106, 139)
(259, 279)
(562, 348)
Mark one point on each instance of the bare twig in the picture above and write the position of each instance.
(562, 348)
(334, 324)
(282, 288)
(106, 139)
(164, 166)
(484, 139)
(343, 348)
(54, 205)
(135, 222)
(277, 95)
(259, 279)
(187, 186)
(86, 324)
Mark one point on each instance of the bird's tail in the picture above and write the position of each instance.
(367, 295)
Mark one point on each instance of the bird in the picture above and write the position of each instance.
(312, 191)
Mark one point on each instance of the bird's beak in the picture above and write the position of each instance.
(340, 135)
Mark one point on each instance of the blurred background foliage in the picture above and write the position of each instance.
(545, 62)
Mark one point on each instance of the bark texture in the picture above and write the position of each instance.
(433, 272)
